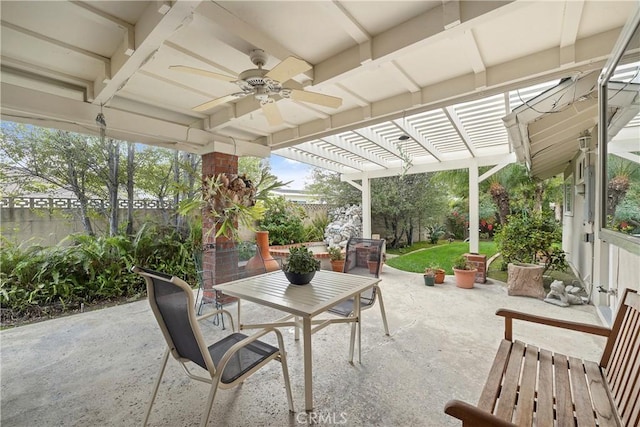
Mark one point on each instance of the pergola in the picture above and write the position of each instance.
(442, 73)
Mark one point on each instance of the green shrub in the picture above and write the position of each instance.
(315, 231)
(87, 269)
(284, 221)
(531, 238)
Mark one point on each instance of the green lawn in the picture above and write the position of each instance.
(441, 256)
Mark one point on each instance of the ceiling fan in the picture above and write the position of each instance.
(264, 84)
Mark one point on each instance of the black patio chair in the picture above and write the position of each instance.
(364, 257)
(228, 361)
(230, 261)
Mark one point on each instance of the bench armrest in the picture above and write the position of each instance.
(509, 315)
(472, 416)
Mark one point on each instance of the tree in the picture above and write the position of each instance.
(131, 169)
(58, 158)
(331, 189)
(406, 202)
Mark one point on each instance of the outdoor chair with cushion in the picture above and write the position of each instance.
(364, 257)
(228, 361)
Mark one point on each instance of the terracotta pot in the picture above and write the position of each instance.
(262, 240)
(465, 278)
(439, 276)
(373, 266)
(337, 265)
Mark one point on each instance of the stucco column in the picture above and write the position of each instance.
(366, 208)
(474, 210)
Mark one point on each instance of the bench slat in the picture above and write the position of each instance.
(509, 392)
(491, 389)
(627, 394)
(599, 395)
(584, 411)
(526, 396)
(531, 386)
(564, 406)
(544, 402)
(620, 359)
(624, 378)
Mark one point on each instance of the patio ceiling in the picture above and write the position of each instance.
(441, 72)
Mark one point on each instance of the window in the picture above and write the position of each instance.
(619, 147)
(568, 196)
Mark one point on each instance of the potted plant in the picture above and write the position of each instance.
(373, 261)
(300, 266)
(439, 274)
(429, 276)
(337, 258)
(464, 272)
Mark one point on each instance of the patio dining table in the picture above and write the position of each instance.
(304, 302)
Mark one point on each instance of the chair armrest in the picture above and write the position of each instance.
(213, 313)
(509, 315)
(248, 340)
(472, 416)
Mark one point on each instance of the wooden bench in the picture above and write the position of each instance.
(532, 386)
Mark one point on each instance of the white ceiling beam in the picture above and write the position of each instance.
(314, 149)
(152, 29)
(245, 31)
(341, 17)
(104, 60)
(391, 44)
(452, 115)
(367, 133)
(77, 116)
(395, 42)
(531, 69)
(569, 32)
(129, 44)
(411, 131)
(472, 53)
(354, 96)
(434, 167)
(398, 75)
(451, 14)
(493, 170)
(355, 149)
(300, 156)
(16, 66)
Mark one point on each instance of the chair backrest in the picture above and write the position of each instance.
(222, 263)
(172, 303)
(621, 359)
(364, 256)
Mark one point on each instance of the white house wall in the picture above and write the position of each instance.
(617, 268)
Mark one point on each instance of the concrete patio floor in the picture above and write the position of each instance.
(98, 368)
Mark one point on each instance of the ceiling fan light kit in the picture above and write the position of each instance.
(264, 84)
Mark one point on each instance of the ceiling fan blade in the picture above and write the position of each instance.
(204, 73)
(315, 98)
(210, 104)
(272, 113)
(288, 68)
